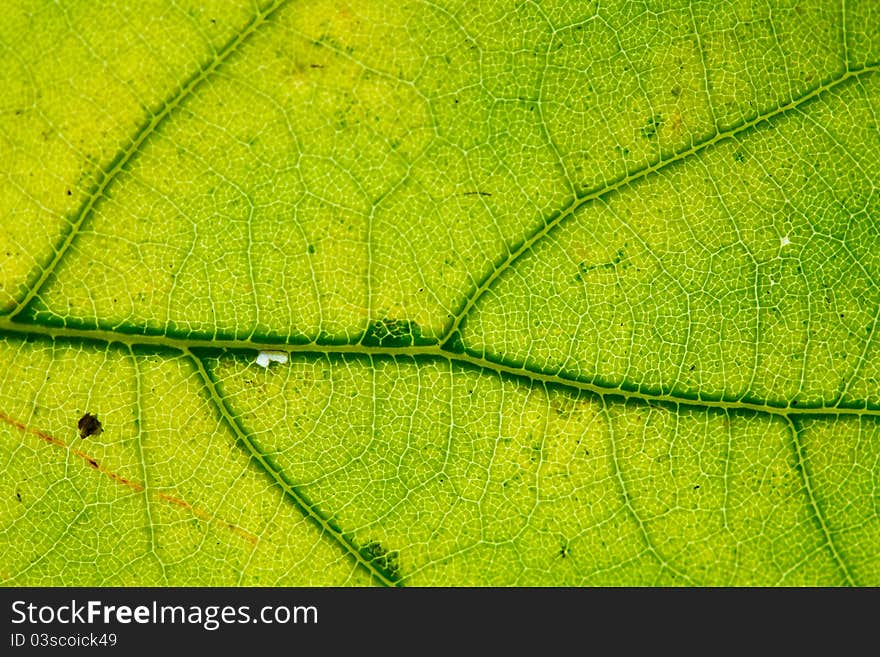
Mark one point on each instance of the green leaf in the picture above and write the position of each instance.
(548, 293)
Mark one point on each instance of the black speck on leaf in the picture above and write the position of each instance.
(651, 126)
(89, 425)
(382, 558)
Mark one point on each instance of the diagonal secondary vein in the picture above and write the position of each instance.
(306, 506)
(813, 503)
(530, 240)
(108, 175)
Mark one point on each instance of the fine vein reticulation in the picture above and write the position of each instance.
(450, 347)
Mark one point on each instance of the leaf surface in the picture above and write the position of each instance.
(552, 294)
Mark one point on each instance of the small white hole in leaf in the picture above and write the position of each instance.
(266, 357)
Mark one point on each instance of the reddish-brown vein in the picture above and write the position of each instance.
(137, 487)
(207, 517)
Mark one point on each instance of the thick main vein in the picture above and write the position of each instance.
(487, 363)
(109, 174)
(515, 252)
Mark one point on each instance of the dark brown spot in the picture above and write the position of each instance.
(89, 425)
(93, 463)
